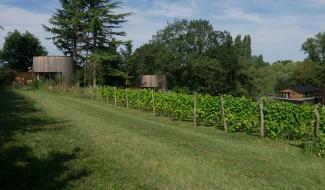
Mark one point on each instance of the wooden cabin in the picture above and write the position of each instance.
(300, 94)
(54, 68)
(158, 82)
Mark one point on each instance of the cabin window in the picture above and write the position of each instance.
(56, 76)
(285, 95)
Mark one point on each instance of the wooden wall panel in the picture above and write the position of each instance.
(55, 64)
(293, 94)
(153, 81)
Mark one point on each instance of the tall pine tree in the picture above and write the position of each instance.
(87, 30)
(101, 27)
(67, 28)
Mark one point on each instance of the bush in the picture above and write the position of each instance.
(289, 121)
(242, 114)
(7, 76)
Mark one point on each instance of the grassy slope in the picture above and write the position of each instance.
(57, 142)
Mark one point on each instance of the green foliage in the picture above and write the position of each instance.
(242, 114)
(194, 56)
(87, 30)
(320, 144)
(176, 105)
(35, 84)
(44, 85)
(7, 76)
(67, 28)
(315, 48)
(306, 73)
(19, 49)
(270, 78)
(179, 106)
(282, 120)
(151, 58)
(289, 121)
(209, 110)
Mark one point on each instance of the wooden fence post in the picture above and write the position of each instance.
(223, 114)
(107, 99)
(139, 106)
(194, 108)
(91, 93)
(261, 118)
(115, 98)
(127, 98)
(97, 93)
(153, 102)
(317, 124)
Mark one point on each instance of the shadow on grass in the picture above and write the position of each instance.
(19, 167)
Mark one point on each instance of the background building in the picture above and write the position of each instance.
(54, 68)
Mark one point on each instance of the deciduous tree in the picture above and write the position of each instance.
(19, 49)
(315, 48)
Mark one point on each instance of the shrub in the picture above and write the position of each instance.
(7, 76)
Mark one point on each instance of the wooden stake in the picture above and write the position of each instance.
(139, 106)
(106, 98)
(127, 98)
(97, 94)
(153, 102)
(91, 93)
(194, 109)
(261, 118)
(317, 125)
(223, 114)
(115, 98)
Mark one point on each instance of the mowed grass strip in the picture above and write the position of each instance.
(73, 143)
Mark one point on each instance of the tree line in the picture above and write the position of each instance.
(191, 53)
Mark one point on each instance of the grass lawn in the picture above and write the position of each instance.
(53, 141)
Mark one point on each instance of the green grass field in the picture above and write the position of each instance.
(54, 141)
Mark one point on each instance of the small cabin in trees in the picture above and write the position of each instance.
(157, 82)
(300, 94)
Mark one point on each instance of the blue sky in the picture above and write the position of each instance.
(278, 27)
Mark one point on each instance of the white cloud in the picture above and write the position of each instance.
(12, 18)
(145, 22)
(277, 36)
(176, 9)
(238, 14)
(140, 27)
(321, 2)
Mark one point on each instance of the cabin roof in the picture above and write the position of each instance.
(303, 89)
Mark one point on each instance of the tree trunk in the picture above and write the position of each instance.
(85, 75)
(86, 61)
(75, 52)
(93, 51)
(94, 75)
